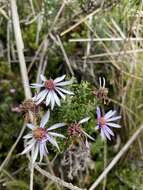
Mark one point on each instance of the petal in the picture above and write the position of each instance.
(64, 83)
(61, 94)
(57, 100)
(48, 99)
(52, 141)
(30, 126)
(113, 118)
(45, 119)
(28, 148)
(109, 114)
(84, 120)
(102, 134)
(87, 144)
(43, 78)
(114, 125)
(56, 134)
(97, 127)
(65, 91)
(98, 112)
(59, 79)
(106, 133)
(35, 153)
(52, 100)
(42, 151)
(87, 135)
(40, 95)
(109, 130)
(36, 85)
(55, 126)
(28, 136)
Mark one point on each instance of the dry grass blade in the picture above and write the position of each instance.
(79, 22)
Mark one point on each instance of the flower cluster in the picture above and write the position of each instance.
(51, 93)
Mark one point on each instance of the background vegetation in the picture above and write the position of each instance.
(86, 39)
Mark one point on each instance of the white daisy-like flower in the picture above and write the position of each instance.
(52, 90)
(36, 140)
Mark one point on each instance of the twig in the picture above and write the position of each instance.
(20, 47)
(116, 53)
(45, 46)
(56, 179)
(65, 55)
(51, 171)
(12, 149)
(116, 158)
(79, 22)
(104, 39)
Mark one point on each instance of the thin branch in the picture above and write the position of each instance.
(65, 55)
(56, 179)
(117, 158)
(79, 22)
(20, 48)
(12, 148)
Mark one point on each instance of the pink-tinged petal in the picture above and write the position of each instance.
(64, 83)
(28, 136)
(113, 118)
(48, 99)
(45, 119)
(43, 78)
(106, 133)
(114, 125)
(36, 85)
(98, 112)
(84, 120)
(30, 126)
(42, 151)
(52, 141)
(42, 94)
(35, 153)
(91, 138)
(65, 91)
(109, 130)
(61, 94)
(55, 126)
(102, 134)
(42, 98)
(56, 134)
(28, 148)
(57, 100)
(109, 114)
(59, 79)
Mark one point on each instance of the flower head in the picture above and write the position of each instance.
(75, 130)
(52, 90)
(36, 140)
(106, 121)
(102, 92)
